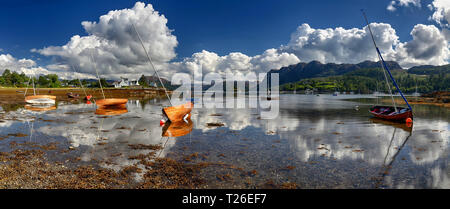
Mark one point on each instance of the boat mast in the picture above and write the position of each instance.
(81, 85)
(151, 63)
(98, 77)
(385, 67)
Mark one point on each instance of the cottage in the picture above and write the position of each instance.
(125, 82)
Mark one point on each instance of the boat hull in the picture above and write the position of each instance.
(388, 113)
(111, 102)
(40, 99)
(179, 112)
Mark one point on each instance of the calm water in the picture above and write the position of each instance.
(315, 142)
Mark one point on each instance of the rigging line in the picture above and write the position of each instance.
(380, 59)
(384, 64)
(151, 63)
(387, 84)
(28, 84)
(74, 69)
(99, 81)
(34, 89)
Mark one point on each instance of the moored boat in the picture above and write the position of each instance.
(393, 113)
(40, 99)
(72, 95)
(111, 102)
(179, 112)
(389, 113)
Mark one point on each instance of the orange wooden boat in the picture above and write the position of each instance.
(176, 129)
(40, 99)
(117, 110)
(179, 112)
(111, 102)
(40, 108)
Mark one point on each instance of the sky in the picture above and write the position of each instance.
(219, 36)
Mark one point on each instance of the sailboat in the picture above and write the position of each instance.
(38, 99)
(173, 113)
(106, 102)
(393, 113)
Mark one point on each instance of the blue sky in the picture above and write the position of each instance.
(216, 28)
(222, 26)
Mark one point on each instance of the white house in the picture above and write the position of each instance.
(124, 82)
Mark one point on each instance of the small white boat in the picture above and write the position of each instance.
(40, 99)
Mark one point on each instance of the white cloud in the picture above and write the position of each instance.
(441, 12)
(429, 46)
(30, 68)
(116, 50)
(235, 62)
(7, 61)
(340, 45)
(114, 45)
(404, 3)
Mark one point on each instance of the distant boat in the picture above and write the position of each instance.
(393, 113)
(72, 95)
(309, 91)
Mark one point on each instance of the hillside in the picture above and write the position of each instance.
(314, 69)
(365, 77)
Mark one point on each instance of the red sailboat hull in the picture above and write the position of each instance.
(388, 113)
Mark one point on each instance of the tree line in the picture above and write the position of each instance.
(14, 79)
(371, 80)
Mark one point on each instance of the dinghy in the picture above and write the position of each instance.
(179, 112)
(389, 113)
(392, 113)
(72, 95)
(111, 102)
(40, 99)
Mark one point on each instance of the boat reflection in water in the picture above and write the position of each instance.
(177, 129)
(111, 110)
(40, 108)
(392, 151)
(405, 126)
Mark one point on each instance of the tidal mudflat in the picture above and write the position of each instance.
(315, 142)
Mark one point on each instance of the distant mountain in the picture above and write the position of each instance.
(153, 80)
(429, 69)
(314, 69)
